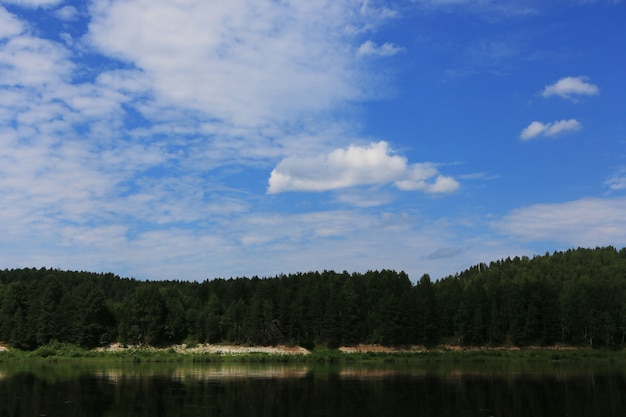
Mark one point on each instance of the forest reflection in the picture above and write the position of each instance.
(307, 390)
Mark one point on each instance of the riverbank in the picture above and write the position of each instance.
(296, 354)
(216, 349)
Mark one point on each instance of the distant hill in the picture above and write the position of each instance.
(576, 297)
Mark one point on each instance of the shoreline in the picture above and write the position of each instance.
(296, 354)
(207, 348)
(361, 348)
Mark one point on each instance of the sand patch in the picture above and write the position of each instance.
(365, 348)
(214, 349)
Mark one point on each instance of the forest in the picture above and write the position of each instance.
(576, 297)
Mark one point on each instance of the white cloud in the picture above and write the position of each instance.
(569, 87)
(550, 129)
(75, 159)
(33, 3)
(373, 15)
(353, 240)
(441, 184)
(587, 222)
(364, 198)
(617, 181)
(65, 160)
(532, 130)
(115, 169)
(66, 13)
(376, 11)
(240, 63)
(354, 166)
(33, 62)
(371, 48)
(9, 24)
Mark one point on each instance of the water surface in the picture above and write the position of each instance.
(83, 389)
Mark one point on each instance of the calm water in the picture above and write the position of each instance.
(270, 390)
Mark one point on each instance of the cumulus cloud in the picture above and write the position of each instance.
(569, 87)
(371, 48)
(112, 145)
(586, 222)
(550, 129)
(357, 165)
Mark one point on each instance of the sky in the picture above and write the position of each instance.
(197, 139)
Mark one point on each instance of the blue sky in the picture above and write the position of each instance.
(195, 139)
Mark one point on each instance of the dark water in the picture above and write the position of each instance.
(240, 390)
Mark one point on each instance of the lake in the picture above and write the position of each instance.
(399, 389)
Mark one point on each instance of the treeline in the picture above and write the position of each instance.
(576, 297)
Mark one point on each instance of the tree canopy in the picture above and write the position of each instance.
(577, 297)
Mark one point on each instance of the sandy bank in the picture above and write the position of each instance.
(216, 349)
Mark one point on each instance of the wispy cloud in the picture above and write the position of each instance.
(110, 161)
(560, 127)
(377, 10)
(67, 13)
(371, 48)
(585, 222)
(140, 137)
(337, 238)
(617, 181)
(571, 87)
(239, 64)
(9, 24)
(34, 3)
(357, 165)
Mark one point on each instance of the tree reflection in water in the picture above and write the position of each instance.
(304, 391)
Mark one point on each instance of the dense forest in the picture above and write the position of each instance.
(576, 297)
